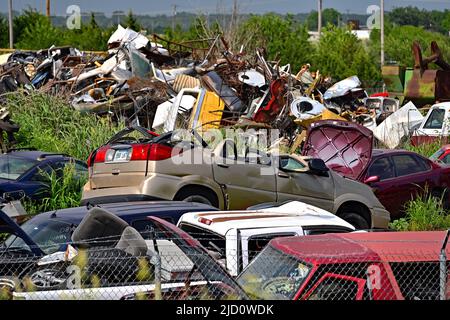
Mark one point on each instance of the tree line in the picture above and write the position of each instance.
(339, 53)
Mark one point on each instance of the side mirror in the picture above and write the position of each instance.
(318, 166)
(372, 179)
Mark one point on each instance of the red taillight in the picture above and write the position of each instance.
(140, 152)
(204, 221)
(161, 152)
(100, 154)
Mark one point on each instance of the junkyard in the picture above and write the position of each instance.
(213, 161)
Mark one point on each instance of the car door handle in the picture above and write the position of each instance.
(223, 165)
(283, 175)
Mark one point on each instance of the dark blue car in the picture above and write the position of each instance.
(27, 171)
(49, 232)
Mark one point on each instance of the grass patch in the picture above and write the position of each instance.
(424, 149)
(425, 213)
(49, 123)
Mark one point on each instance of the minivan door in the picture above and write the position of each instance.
(246, 180)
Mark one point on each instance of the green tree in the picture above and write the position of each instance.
(329, 16)
(4, 32)
(131, 22)
(280, 36)
(34, 31)
(399, 39)
(341, 54)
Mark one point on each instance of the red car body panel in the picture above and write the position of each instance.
(345, 147)
(378, 249)
(394, 193)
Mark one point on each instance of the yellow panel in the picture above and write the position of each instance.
(209, 114)
(325, 115)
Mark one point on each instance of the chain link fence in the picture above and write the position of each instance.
(299, 268)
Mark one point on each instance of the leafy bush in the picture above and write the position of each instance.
(49, 124)
(280, 36)
(425, 213)
(341, 54)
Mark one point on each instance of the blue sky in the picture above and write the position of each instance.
(221, 6)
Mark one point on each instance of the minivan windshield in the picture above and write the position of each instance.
(273, 275)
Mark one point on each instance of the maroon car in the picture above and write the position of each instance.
(396, 176)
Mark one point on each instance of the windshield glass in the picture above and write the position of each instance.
(273, 275)
(12, 167)
(49, 235)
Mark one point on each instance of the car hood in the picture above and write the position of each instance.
(7, 225)
(345, 147)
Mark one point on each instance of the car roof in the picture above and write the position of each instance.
(128, 210)
(364, 247)
(221, 222)
(379, 152)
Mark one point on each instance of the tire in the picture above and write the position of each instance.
(197, 198)
(356, 220)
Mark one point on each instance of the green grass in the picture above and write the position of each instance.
(425, 213)
(424, 149)
(50, 124)
(64, 191)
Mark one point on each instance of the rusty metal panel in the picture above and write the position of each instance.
(443, 85)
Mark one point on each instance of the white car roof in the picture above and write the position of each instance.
(294, 213)
(441, 105)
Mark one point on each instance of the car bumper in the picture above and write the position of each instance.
(380, 218)
(154, 187)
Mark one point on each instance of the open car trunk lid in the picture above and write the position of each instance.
(345, 147)
(123, 160)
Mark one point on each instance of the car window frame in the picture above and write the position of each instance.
(378, 158)
(413, 156)
(360, 282)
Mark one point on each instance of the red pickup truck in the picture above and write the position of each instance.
(352, 266)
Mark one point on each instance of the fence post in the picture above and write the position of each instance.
(443, 268)
(158, 295)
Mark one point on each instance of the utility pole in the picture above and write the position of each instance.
(48, 8)
(10, 22)
(174, 13)
(382, 31)
(319, 18)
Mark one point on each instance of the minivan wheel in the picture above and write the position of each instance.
(355, 220)
(197, 198)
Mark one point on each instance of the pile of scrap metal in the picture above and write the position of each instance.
(201, 85)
